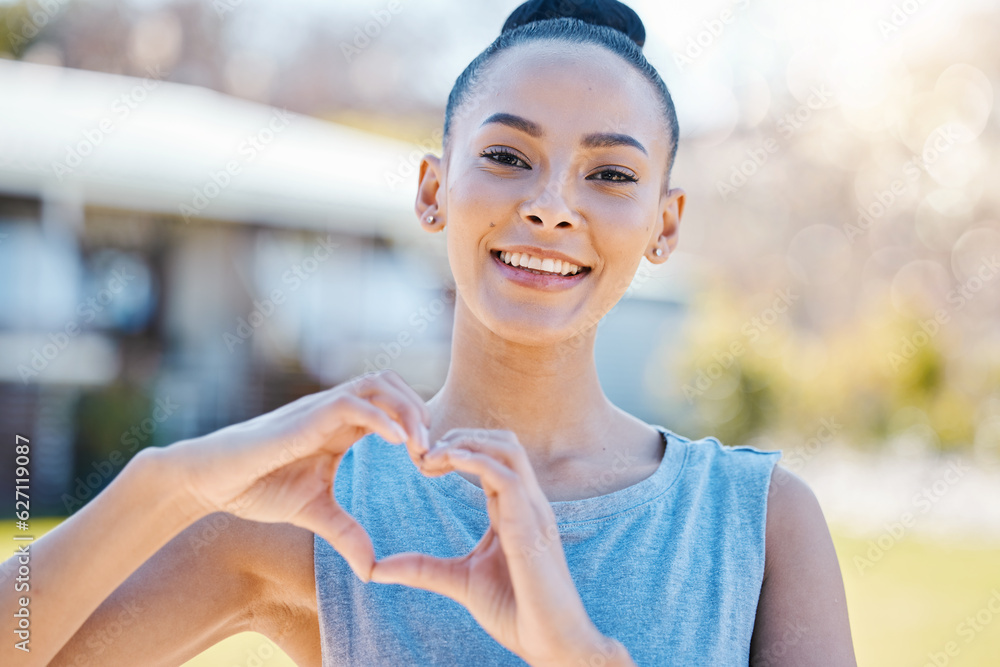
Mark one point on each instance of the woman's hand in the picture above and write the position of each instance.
(280, 466)
(515, 582)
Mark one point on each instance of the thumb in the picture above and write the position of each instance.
(331, 522)
(446, 576)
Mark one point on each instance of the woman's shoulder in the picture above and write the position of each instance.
(720, 479)
(709, 456)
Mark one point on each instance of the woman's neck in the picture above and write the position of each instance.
(551, 398)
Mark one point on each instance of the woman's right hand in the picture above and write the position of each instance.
(280, 466)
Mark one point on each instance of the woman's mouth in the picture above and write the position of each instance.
(545, 274)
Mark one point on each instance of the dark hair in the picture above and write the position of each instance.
(607, 23)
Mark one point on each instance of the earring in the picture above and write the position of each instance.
(430, 219)
(658, 252)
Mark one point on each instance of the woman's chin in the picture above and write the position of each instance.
(533, 326)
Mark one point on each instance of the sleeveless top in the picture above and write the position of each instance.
(671, 566)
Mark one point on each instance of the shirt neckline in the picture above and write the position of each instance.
(586, 509)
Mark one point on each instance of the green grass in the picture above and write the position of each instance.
(909, 603)
(906, 605)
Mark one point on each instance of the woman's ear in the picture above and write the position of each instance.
(429, 210)
(670, 212)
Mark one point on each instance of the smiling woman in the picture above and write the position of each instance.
(482, 541)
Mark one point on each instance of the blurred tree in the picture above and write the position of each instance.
(104, 417)
(17, 29)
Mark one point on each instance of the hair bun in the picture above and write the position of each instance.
(610, 13)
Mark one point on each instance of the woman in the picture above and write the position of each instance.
(545, 526)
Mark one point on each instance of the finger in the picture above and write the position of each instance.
(499, 445)
(351, 541)
(526, 528)
(349, 410)
(502, 485)
(391, 400)
(335, 525)
(446, 576)
(395, 402)
(394, 378)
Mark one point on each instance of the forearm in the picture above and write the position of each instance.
(78, 564)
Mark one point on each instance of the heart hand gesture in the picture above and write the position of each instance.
(515, 582)
(280, 466)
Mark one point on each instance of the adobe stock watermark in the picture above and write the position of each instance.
(944, 138)
(87, 311)
(363, 35)
(910, 345)
(121, 108)
(496, 420)
(765, 657)
(970, 628)
(215, 524)
(712, 30)
(899, 16)
(103, 638)
(602, 483)
(163, 409)
(922, 502)
(258, 657)
(295, 276)
(409, 165)
(786, 126)
(223, 7)
(544, 539)
(419, 320)
(609, 649)
(248, 149)
(752, 329)
(44, 11)
(594, 319)
(797, 458)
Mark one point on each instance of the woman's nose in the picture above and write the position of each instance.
(551, 203)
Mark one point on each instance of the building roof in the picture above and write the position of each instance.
(152, 145)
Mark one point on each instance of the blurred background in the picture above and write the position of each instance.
(206, 211)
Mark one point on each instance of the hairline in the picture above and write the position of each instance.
(487, 68)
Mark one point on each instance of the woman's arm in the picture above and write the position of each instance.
(276, 468)
(83, 560)
(802, 611)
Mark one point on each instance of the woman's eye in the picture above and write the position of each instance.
(503, 156)
(615, 175)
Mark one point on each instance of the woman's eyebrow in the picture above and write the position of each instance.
(523, 124)
(595, 140)
(607, 139)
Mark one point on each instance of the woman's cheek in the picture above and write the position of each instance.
(619, 208)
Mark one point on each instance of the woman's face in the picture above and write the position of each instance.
(563, 148)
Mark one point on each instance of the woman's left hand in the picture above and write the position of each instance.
(515, 582)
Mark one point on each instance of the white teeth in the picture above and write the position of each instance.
(547, 265)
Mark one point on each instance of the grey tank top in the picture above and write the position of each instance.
(671, 566)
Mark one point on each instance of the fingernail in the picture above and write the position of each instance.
(425, 438)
